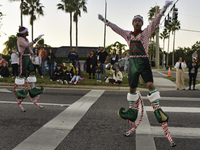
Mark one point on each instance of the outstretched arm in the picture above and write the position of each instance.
(125, 34)
(150, 29)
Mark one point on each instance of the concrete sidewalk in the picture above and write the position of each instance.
(160, 83)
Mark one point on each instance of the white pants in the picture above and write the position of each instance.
(76, 78)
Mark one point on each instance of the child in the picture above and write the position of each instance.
(4, 71)
(99, 70)
(117, 76)
(78, 75)
(68, 74)
(58, 74)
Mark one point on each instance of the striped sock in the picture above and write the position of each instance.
(132, 103)
(152, 91)
(156, 102)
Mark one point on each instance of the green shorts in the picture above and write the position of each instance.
(139, 66)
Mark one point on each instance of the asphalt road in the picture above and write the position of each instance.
(98, 127)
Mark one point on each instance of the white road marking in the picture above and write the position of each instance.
(5, 91)
(162, 74)
(178, 132)
(52, 133)
(30, 103)
(175, 98)
(177, 109)
(144, 133)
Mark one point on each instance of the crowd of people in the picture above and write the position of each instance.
(95, 66)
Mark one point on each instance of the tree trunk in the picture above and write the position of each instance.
(21, 9)
(163, 62)
(168, 50)
(77, 35)
(32, 23)
(32, 30)
(70, 31)
(173, 50)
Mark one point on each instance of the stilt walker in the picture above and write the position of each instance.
(139, 64)
(29, 89)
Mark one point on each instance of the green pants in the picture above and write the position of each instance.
(27, 65)
(137, 67)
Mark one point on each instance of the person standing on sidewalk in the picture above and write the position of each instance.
(103, 58)
(51, 60)
(139, 64)
(180, 69)
(193, 70)
(43, 53)
(15, 62)
(73, 57)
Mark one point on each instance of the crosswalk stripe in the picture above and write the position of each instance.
(5, 91)
(30, 103)
(178, 132)
(52, 133)
(177, 109)
(144, 127)
(175, 98)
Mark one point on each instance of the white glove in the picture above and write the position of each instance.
(103, 19)
(35, 40)
(168, 3)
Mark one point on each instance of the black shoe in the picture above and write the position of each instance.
(89, 77)
(189, 89)
(177, 89)
(194, 89)
(183, 89)
(93, 77)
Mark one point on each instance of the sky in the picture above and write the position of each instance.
(55, 23)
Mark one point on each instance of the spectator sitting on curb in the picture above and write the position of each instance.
(58, 74)
(117, 76)
(2, 61)
(4, 71)
(68, 75)
(78, 75)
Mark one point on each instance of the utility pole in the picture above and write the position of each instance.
(157, 44)
(105, 25)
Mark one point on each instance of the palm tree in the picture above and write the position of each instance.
(151, 15)
(175, 26)
(68, 7)
(169, 28)
(34, 9)
(119, 47)
(10, 44)
(78, 5)
(164, 35)
(21, 9)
